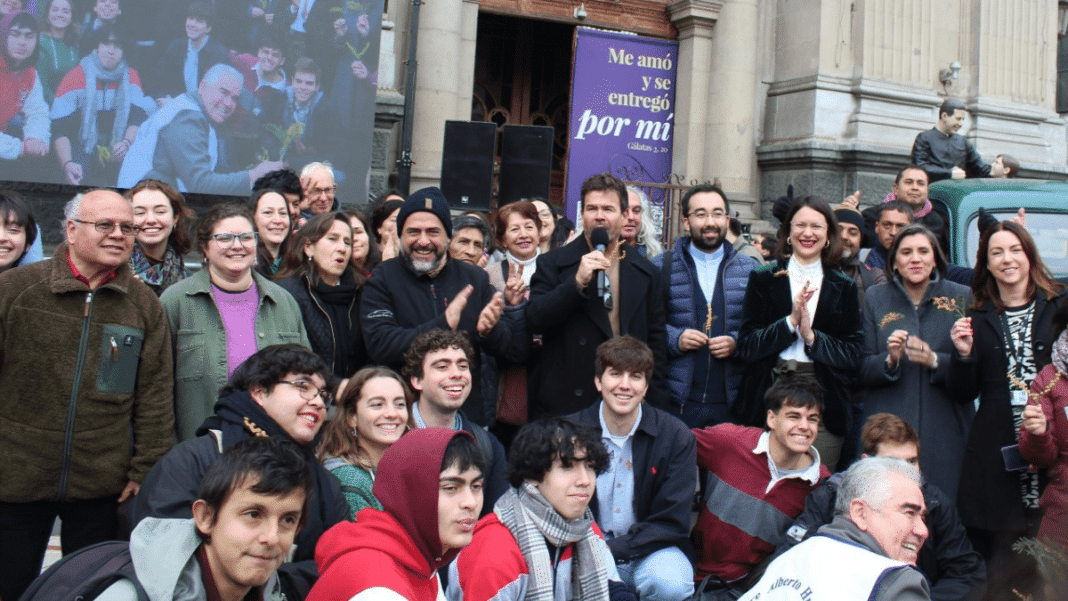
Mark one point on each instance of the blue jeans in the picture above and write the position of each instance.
(666, 575)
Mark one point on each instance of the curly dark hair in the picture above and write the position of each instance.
(434, 340)
(268, 366)
(539, 443)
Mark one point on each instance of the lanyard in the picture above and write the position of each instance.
(1010, 347)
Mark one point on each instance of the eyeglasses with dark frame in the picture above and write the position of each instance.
(226, 240)
(106, 226)
(309, 391)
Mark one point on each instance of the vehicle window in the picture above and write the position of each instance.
(1050, 231)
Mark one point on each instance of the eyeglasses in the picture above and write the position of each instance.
(328, 190)
(702, 214)
(227, 239)
(106, 226)
(309, 391)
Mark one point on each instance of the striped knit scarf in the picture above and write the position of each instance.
(532, 520)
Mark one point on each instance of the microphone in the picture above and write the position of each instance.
(599, 239)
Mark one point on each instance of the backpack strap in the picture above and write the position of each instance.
(86, 573)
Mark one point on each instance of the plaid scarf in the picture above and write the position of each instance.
(170, 271)
(532, 520)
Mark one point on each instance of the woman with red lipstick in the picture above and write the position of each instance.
(372, 414)
(907, 348)
(223, 314)
(1002, 343)
(163, 235)
(279, 392)
(801, 315)
(317, 272)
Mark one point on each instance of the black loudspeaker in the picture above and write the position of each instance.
(467, 164)
(526, 162)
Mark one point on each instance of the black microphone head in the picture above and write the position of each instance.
(599, 237)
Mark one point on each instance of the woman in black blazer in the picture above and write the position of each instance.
(802, 315)
(998, 494)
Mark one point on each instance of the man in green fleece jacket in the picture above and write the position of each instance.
(86, 381)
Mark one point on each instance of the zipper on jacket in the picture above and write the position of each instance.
(72, 408)
(333, 339)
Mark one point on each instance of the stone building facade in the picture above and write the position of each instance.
(825, 94)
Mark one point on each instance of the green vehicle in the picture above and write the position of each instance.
(1046, 203)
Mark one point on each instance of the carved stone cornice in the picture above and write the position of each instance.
(694, 18)
(645, 17)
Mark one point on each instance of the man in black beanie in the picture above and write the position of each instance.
(422, 289)
(851, 232)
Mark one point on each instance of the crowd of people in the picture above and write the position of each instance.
(118, 91)
(595, 414)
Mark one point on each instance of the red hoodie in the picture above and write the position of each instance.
(397, 549)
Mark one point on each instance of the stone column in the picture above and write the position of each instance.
(695, 20)
(444, 81)
(715, 102)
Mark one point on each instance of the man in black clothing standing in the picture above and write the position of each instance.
(581, 296)
(944, 153)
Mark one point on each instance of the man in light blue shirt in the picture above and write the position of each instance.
(643, 500)
(704, 287)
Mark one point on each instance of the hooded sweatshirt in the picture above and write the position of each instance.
(20, 93)
(392, 554)
(163, 558)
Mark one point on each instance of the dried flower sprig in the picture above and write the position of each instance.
(890, 318)
(1034, 396)
(945, 303)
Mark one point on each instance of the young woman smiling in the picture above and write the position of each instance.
(163, 235)
(365, 252)
(59, 45)
(372, 414)
(271, 214)
(18, 231)
(1001, 344)
(317, 272)
(223, 314)
(907, 349)
(802, 315)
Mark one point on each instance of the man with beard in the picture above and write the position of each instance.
(704, 283)
(943, 153)
(422, 289)
(851, 232)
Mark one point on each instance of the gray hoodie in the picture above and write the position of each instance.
(163, 557)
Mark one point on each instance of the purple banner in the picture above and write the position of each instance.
(622, 110)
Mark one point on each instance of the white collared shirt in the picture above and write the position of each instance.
(799, 274)
(810, 473)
